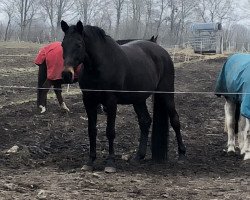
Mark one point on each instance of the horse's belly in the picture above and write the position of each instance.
(131, 98)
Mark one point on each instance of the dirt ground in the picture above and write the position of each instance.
(52, 147)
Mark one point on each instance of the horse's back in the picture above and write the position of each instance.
(52, 55)
(147, 48)
(148, 57)
(146, 65)
(233, 74)
(234, 81)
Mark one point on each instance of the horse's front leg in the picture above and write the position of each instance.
(111, 108)
(91, 110)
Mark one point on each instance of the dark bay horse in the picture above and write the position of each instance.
(120, 71)
(49, 58)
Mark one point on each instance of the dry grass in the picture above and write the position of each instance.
(16, 44)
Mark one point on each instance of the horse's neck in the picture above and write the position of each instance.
(98, 50)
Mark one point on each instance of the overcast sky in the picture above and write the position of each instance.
(245, 6)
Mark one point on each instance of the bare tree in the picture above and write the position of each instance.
(8, 8)
(49, 7)
(33, 12)
(63, 6)
(137, 8)
(214, 10)
(185, 10)
(56, 10)
(149, 6)
(170, 19)
(163, 4)
(25, 14)
(118, 6)
(84, 9)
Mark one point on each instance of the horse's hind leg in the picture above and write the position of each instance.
(43, 98)
(241, 133)
(247, 140)
(244, 137)
(58, 91)
(111, 108)
(145, 121)
(42, 76)
(175, 123)
(230, 123)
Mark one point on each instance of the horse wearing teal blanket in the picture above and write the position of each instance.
(234, 84)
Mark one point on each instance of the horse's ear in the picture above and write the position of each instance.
(152, 38)
(79, 26)
(155, 40)
(64, 26)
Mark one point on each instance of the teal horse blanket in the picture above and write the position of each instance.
(234, 81)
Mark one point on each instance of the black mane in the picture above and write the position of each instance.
(94, 31)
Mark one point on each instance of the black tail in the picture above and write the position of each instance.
(42, 76)
(237, 117)
(160, 132)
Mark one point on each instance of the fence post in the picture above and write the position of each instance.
(201, 47)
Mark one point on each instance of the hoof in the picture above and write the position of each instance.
(182, 159)
(231, 153)
(247, 156)
(87, 168)
(43, 109)
(64, 107)
(110, 170)
(100, 109)
(231, 149)
(135, 161)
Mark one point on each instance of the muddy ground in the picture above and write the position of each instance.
(52, 147)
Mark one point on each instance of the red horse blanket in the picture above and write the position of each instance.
(52, 54)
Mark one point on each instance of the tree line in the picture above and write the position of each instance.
(39, 20)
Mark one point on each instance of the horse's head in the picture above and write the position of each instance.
(73, 49)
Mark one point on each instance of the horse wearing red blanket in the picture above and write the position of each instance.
(50, 62)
